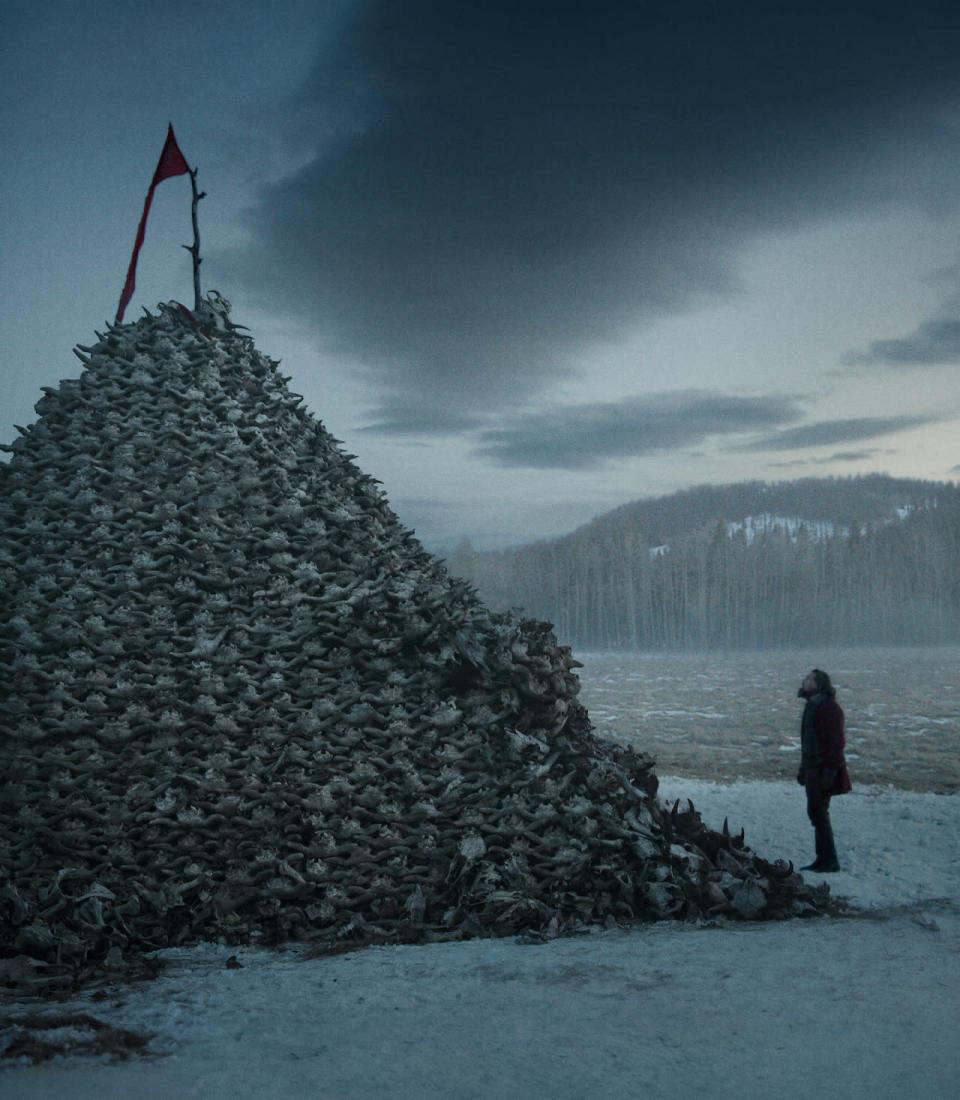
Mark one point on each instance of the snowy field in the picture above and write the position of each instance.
(866, 1005)
(733, 716)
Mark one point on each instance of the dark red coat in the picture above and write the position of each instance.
(823, 740)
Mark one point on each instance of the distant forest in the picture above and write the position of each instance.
(862, 560)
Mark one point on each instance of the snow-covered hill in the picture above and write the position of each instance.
(791, 526)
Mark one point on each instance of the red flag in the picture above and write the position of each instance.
(171, 163)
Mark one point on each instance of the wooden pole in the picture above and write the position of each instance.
(194, 249)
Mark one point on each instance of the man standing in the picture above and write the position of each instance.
(823, 771)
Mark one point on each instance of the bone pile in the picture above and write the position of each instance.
(239, 699)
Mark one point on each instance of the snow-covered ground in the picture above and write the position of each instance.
(867, 1006)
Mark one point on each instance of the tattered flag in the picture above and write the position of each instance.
(172, 163)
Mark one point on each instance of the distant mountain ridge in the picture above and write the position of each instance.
(741, 564)
(847, 502)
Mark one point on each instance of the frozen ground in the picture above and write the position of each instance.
(732, 716)
(863, 1006)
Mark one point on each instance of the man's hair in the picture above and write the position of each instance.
(824, 683)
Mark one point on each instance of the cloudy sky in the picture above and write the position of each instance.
(528, 260)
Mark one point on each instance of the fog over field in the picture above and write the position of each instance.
(729, 716)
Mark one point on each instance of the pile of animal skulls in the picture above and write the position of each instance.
(239, 699)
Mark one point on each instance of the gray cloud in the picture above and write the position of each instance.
(829, 432)
(931, 343)
(497, 186)
(851, 456)
(587, 436)
(869, 454)
(406, 416)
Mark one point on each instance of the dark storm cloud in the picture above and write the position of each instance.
(828, 432)
(931, 343)
(499, 185)
(586, 436)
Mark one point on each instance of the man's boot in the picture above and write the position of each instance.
(818, 862)
(815, 866)
(828, 860)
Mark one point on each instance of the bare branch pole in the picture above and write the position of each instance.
(194, 249)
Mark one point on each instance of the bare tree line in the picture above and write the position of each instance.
(895, 580)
